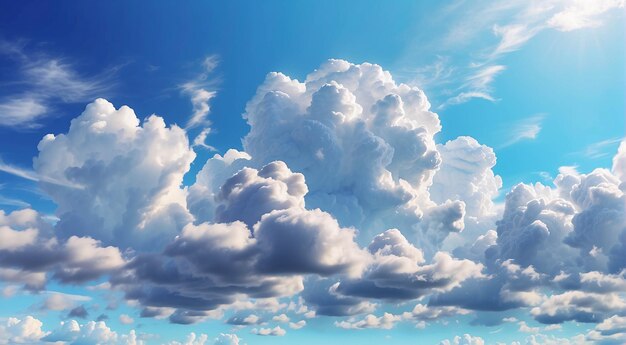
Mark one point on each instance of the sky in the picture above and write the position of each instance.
(351, 172)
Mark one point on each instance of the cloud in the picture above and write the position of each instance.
(466, 174)
(61, 301)
(21, 331)
(276, 331)
(567, 239)
(466, 339)
(92, 332)
(526, 129)
(281, 318)
(387, 321)
(600, 149)
(341, 203)
(21, 111)
(200, 93)
(297, 325)
(126, 320)
(227, 339)
(33, 176)
(129, 197)
(244, 320)
(619, 162)
(513, 24)
(398, 271)
(578, 306)
(78, 312)
(342, 111)
(33, 254)
(610, 331)
(46, 81)
(582, 14)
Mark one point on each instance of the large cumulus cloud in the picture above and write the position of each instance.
(263, 243)
(340, 199)
(125, 176)
(364, 143)
(558, 249)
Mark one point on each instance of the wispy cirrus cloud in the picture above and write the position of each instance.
(512, 24)
(33, 176)
(601, 148)
(201, 90)
(526, 129)
(43, 81)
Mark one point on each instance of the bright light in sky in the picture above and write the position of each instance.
(313, 172)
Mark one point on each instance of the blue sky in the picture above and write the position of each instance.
(539, 85)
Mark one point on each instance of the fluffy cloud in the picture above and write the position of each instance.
(276, 331)
(364, 143)
(209, 264)
(329, 164)
(398, 271)
(610, 331)
(201, 339)
(578, 306)
(127, 177)
(21, 331)
(92, 332)
(466, 339)
(387, 321)
(34, 254)
(227, 339)
(619, 162)
(465, 174)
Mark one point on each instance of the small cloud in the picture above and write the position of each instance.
(527, 129)
(600, 149)
(79, 311)
(568, 170)
(582, 14)
(201, 92)
(276, 331)
(61, 301)
(477, 85)
(200, 140)
(126, 320)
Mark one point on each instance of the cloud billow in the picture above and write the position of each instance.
(341, 199)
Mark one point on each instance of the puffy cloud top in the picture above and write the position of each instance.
(124, 178)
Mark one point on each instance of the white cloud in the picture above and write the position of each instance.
(386, 321)
(466, 339)
(580, 14)
(126, 319)
(130, 197)
(513, 23)
(21, 331)
(276, 331)
(92, 332)
(297, 325)
(227, 339)
(526, 129)
(47, 80)
(619, 162)
(201, 95)
(21, 112)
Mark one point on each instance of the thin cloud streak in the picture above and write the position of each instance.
(46, 80)
(33, 176)
(513, 24)
(527, 129)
